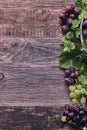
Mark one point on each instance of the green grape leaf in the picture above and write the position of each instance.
(83, 59)
(83, 15)
(84, 46)
(84, 4)
(68, 45)
(70, 59)
(69, 35)
(78, 32)
(76, 23)
(78, 3)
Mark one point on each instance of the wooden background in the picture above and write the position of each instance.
(32, 92)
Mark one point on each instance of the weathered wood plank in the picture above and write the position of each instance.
(32, 76)
(31, 118)
(32, 4)
(29, 23)
(30, 18)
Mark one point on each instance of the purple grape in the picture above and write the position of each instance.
(71, 115)
(65, 113)
(84, 33)
(62, 16)
(69, 81)
(67, 72)
(81, 113)
(69, 22)
(78, 118)
(72, 75)
(64, 29)
(77, 73)
(74, 119)
(77, 11)
(85, 110)
(68, 118)
(76, 109)
(72, 16)
(70, 8)
(84, 24)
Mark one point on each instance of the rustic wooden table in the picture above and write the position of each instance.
(32, 92)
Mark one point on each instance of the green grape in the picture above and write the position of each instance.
(63, 119)
(72, 88)
(74, 101)
(83, 100)
(77, 92)
(83, 91)
(72, 95)
(76, 96)
(86, 93)
(79, 87)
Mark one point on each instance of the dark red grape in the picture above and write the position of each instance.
(72, 75)
(71, 115)
(62, 16)
(76, 74)
(84, 33)
(64, 29)
(69, 22)
(72, 16)
(69, 81)
(70, 8)
(67, 72)
(77, 11)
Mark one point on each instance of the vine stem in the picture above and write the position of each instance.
(81, 37)
(63, 3)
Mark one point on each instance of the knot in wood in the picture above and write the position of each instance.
(1, 76)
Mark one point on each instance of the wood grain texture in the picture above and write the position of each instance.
(33, 84)
(32, 92)
(32, 4)
(38, 18)
(31, 118)
(32, 76)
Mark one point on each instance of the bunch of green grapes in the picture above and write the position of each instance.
(78, 93)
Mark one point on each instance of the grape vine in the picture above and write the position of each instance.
(73, 60)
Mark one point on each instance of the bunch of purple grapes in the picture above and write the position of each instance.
(67, 16)
(75, 115)
(84, 29)
(71, 75)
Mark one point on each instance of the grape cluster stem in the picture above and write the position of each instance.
(63, 3)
